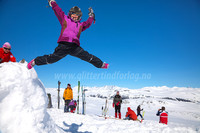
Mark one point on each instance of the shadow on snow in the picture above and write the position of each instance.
(73, 128)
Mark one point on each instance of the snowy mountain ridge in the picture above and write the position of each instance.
(175, 93)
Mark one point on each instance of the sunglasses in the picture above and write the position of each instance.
(7, 48)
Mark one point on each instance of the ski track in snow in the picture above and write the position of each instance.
(23, 102)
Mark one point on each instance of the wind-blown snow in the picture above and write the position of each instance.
(23, 107)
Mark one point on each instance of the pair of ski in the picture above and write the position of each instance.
(83, 99)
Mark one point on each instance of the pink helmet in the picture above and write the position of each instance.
(6, 45)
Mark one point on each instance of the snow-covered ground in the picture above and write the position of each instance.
(23, 107)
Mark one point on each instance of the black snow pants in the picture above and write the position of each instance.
(72, 49)
(117, 109)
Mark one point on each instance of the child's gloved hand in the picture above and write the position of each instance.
(50, 2)
(91, 12)
(113, 105)
(117, 103)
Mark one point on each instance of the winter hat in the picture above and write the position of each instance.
(77, 11)
(128, 108)
(6, 45)
(68, 85)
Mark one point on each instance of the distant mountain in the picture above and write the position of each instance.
(175, 93)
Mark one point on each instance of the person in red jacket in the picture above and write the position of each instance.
(130, 115)
(5, 54)
(163, 115)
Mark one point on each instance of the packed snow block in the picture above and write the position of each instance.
(23, 101)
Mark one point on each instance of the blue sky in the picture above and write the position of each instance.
(146, 42)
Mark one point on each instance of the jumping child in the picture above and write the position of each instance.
(68, 42)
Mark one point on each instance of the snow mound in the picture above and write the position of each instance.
(23, 101)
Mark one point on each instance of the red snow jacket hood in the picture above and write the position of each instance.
(6, 56)
(131, 114)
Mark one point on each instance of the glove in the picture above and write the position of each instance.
(63, 98)
(118, 103)
(113, 105)
(1, 60)
(50, 2)
(91, 12)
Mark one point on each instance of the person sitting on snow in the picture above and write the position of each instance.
(163, 115)
(130, 114)
(67, 97)
(5, 54)
(72, 106)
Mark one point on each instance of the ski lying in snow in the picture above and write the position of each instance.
(107, 117)
(111, 117)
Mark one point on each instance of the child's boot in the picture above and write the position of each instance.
(31, 64)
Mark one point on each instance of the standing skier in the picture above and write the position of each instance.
(117, 104)
(5, 54)
(163, 115)
(138, 112)
(68, 42)
(67, 97)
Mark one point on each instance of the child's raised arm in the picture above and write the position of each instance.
(58, 11)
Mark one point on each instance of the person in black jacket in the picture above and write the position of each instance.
(138, 111)
(117, 104)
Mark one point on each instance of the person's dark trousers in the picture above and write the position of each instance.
(117, 109)
(66, 109)
(72, 49)
(140, 115)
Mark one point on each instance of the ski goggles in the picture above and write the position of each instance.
(75, 13)
(7, 48)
